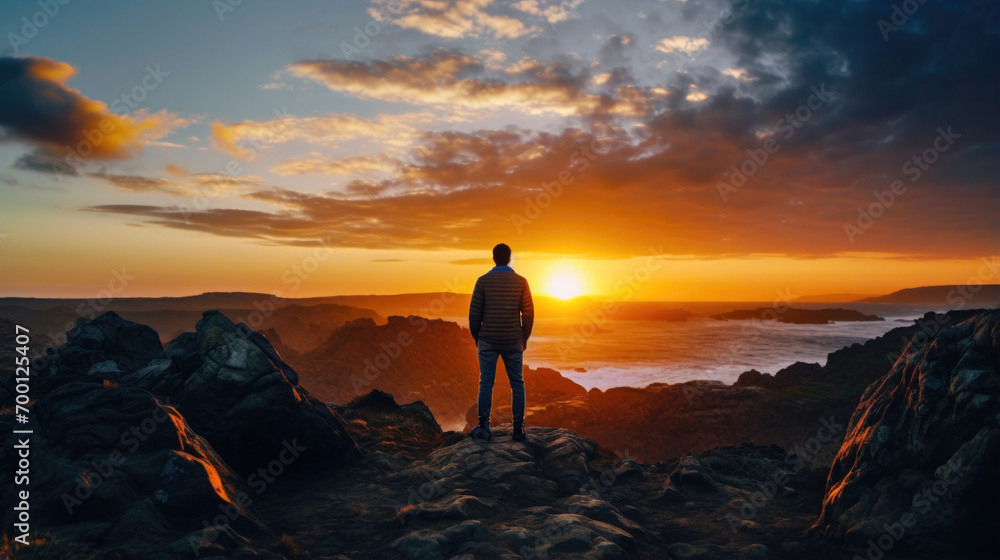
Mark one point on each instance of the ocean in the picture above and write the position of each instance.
(637, 353)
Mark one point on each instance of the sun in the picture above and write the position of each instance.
(564, 284)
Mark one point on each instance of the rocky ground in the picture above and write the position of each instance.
(210, 448)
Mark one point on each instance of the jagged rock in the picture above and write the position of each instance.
(378, 424)
(118, 468)
(670, 493)
(691, 472)
(755, 552)
(917, 468)
(685, 551)
(106, 346)
(795, 374)
(242, 400)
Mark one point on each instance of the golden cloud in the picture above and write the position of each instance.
(243, 139)
(449, 19)
(36, 106)
(448, 79)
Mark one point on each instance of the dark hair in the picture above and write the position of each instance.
(501, 254)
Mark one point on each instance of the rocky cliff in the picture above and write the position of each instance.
(917, 471)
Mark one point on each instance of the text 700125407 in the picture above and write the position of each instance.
(22, 437)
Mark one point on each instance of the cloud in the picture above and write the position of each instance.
(680, 43)
(695, 95)
(197, 184)
(394, 78)
(38, 108)
(176, 170)
(615, 48)
(243, 139)
(450, 79)
(601, 79)
(738, 73)
(552, 12)
(493, 58)
(224, 183)
(318, 164)
(43, 161)
(449, 19)
(224, 138)
(138, 184)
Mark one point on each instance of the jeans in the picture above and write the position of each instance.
(512, 354)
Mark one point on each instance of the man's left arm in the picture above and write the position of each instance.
(527, 313)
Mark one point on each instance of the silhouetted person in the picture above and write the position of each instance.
(500, 317)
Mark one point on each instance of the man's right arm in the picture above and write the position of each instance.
(476, 307)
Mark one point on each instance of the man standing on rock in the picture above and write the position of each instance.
(501, 315)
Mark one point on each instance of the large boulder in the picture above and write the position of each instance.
(381, 425)
(119, 470)
(917, 470)
(246, 402)
(101, 348)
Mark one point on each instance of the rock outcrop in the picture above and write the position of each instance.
(118, 468)
(382, 426)
(105, 347)
(242, 392)
(917, 470)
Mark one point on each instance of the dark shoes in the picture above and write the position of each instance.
(518, 434)
(482, 431)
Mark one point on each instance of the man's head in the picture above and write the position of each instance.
(501, 254)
